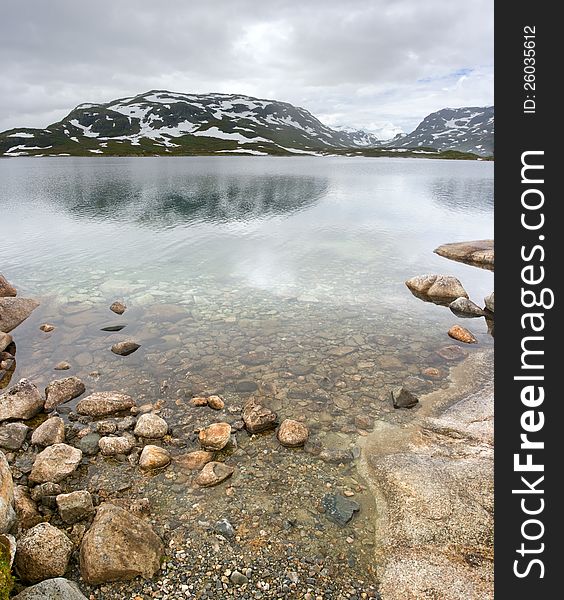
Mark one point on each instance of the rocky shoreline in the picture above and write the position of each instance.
(257, 501)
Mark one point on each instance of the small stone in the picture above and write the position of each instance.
(199, 401)
(118, 307)
(154, 457)
(213, 473)
(150, 426)
(26, 509)
(51, 431)
(125, 348)
(75, 506)
(363, 422)
(63, 390)
(339, 509)
(257, 417)
(89, 444)
(62, 366)
(12, 435)
(106, 427)
(45, 490)
(22, 401)
(216, 436)
(432, 372)
(194, 461)
(463, 307)
(113, 328)
(55, 463)
(292, 433)
(102, 404)
(452, 353)
(112, 445)
(224, 528)
(403, 398)
(47, 327)
(462, 334)
(238, 578)
(42, 552)
(216, 403)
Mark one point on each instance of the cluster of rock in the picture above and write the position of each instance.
(448, 291)
(13, 311)
(111, 425)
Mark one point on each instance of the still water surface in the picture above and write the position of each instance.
(279, 277)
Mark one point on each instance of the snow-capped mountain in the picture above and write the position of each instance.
(359, 137)
(161, 122)
(467, 129)
(169, 123)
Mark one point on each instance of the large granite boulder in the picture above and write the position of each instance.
(119, 546)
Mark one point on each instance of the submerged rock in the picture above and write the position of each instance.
(46, 327)
(42, 552)
(462, 307)
(403, 398)
(216, 436)
(292, 433)
(102, 404)
(125, 348)
(257, 417)
(55, 463)
(22, 401)
(462, 334)
(62, 366)
(14, 311)
(119, 546)
(63, 390)
(452, 353)
(339, 509)
(436, 288)
(479, 253)
(194, 461)
(213, 473)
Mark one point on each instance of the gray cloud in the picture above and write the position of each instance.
(377, 64)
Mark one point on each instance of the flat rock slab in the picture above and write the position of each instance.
(478, 253)
(14, 311)
(339, 509)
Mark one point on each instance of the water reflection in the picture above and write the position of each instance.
(193, 200)
(463, 195)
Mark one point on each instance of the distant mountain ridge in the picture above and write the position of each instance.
(159, 122)
(469, 129)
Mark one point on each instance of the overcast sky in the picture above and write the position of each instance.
(381, 65)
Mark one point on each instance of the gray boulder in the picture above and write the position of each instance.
(463, 307)
(21, 401)
(14, 311)
(52, 589)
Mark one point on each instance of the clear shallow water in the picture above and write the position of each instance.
(278, 277)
